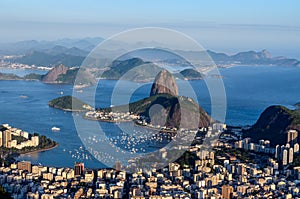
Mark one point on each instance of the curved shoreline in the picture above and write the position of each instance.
(135, 123)
(105, 120)
(39, 150)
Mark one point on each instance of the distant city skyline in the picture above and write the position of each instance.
(226, 26)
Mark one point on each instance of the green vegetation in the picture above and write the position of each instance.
(143, 105)
(18, 138)
(8, 155)
(190, 74)
(241, 154)
(84, 77)
(45, 143)
(69, 103)
(296, 115)
(139, 70)
(296, 162)
(33, 76)
(119, 68)
(69, 77)
(273, 124)
(56, 76)
(187, 159)
(9, 76)
(174, 107)
(4, 194)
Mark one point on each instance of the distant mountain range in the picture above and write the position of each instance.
(71, 52)
(23, 47)
(251, 58)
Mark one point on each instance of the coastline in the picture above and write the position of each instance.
(39, 150)
(105, 120)
(156, 129)
(68, 110)
(135, 123)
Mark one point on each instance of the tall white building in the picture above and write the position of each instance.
(291, 155)
(292, 137)
(277, 151)
(284, 157)
(1, 134)
(296, 148)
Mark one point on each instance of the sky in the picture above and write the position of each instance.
(228, 26)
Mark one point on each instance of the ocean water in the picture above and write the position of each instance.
(249, 90)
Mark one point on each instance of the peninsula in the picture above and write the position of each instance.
(16, 141)
(163, 109)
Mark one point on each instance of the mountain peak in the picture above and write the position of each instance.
(53, 74)
(266, 54)
(164, 83)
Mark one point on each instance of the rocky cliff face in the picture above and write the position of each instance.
(273, 124)
(164, 83)
(181, 111)
(165, 108)
(52, 75)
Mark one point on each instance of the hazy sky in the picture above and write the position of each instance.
(228, 26)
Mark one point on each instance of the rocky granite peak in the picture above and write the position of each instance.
(164, 83)
(54, 73)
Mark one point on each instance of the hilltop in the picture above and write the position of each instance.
(189, 74)
(136, 69)
(63, 75)
(171, 109)
(164, 83)
(273, 124)
(69, 103)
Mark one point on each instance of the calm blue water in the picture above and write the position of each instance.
(249, 91)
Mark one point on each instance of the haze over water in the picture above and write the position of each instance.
(249, 91)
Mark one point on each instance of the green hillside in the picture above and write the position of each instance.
(273, 124)
(180, 111)
(69, 103)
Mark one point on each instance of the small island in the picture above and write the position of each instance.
(189, 74)
(69, 103)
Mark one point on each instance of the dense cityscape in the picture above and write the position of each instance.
(219, 173)
(149, 99)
